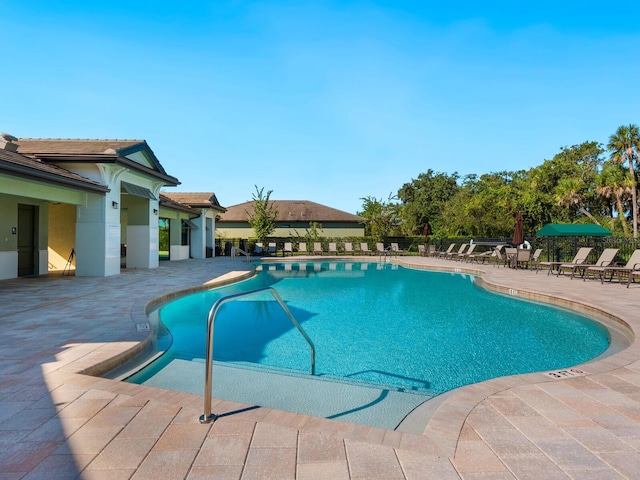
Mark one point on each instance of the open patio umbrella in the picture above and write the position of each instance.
(518, 234)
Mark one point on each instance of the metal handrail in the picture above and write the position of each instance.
(207, 416)
(237, 249)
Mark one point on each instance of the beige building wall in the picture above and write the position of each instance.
(62, 235)
(222, 231)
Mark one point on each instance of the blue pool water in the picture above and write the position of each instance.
(402, 329)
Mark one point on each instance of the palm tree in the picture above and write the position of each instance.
(624, 146)
(615, 182)
(568, 194)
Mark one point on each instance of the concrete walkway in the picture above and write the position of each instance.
(59, 422)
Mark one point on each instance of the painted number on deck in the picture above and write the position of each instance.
(571, 372)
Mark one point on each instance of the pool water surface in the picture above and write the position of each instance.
(399, 329)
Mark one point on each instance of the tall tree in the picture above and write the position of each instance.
(570, 193)
(264, 215)
(624, 146)
(615, 183)
(574, 169)
(423, 199)
(381, 218)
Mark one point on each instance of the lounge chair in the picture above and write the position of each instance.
(632, 265)
(632, 275)
(580, 257)
(348, 248)
(454, 254)
(258, 250)
(288, 248)
(395, 249)
(302, 248)
(272, 248)
(317, 248)
(431, 251)
(606, 259)
(422, 250)
(465, 255)
(364, 249)
(380, 250)
(333, 249)
(482, 256)
(446, 252)
(500, 257)
(534, 258)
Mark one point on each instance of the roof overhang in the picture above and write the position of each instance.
(110, 159)
(46, 177)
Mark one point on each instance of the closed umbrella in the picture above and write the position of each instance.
(518, 234)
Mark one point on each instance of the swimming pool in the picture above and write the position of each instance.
(373, 324)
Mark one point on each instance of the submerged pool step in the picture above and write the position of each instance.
(307, 395)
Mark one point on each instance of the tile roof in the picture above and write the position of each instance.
(17, 164)
(195, 199)
(88, 150)
(166, 201)
(293, 211)
(73, 146)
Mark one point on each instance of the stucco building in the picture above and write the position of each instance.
(294, 217)
(92, 206)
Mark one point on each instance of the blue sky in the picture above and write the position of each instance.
(325, 101)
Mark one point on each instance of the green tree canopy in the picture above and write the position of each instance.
(423, 200)
(264, 215)
(381, 218)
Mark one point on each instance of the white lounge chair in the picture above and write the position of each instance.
(396, 250)
(348, 248)
(364, 249)
(333, 249)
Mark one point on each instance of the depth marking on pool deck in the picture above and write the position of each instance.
(142, 327)
(571, 372)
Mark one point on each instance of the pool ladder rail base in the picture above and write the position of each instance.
(207, 416)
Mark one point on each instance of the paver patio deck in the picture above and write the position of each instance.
(56, 421)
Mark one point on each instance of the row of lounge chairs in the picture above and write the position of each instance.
(348, 249)
(511, 257)
(604, 268)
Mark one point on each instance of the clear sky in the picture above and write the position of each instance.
(328, 101)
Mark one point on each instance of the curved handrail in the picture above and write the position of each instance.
(237, 249)
(207, 416)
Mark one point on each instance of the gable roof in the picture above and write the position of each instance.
(572, 230)
(196, 199)
(167, 202)
(292, 211)
(96, 151)
(30, 168)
